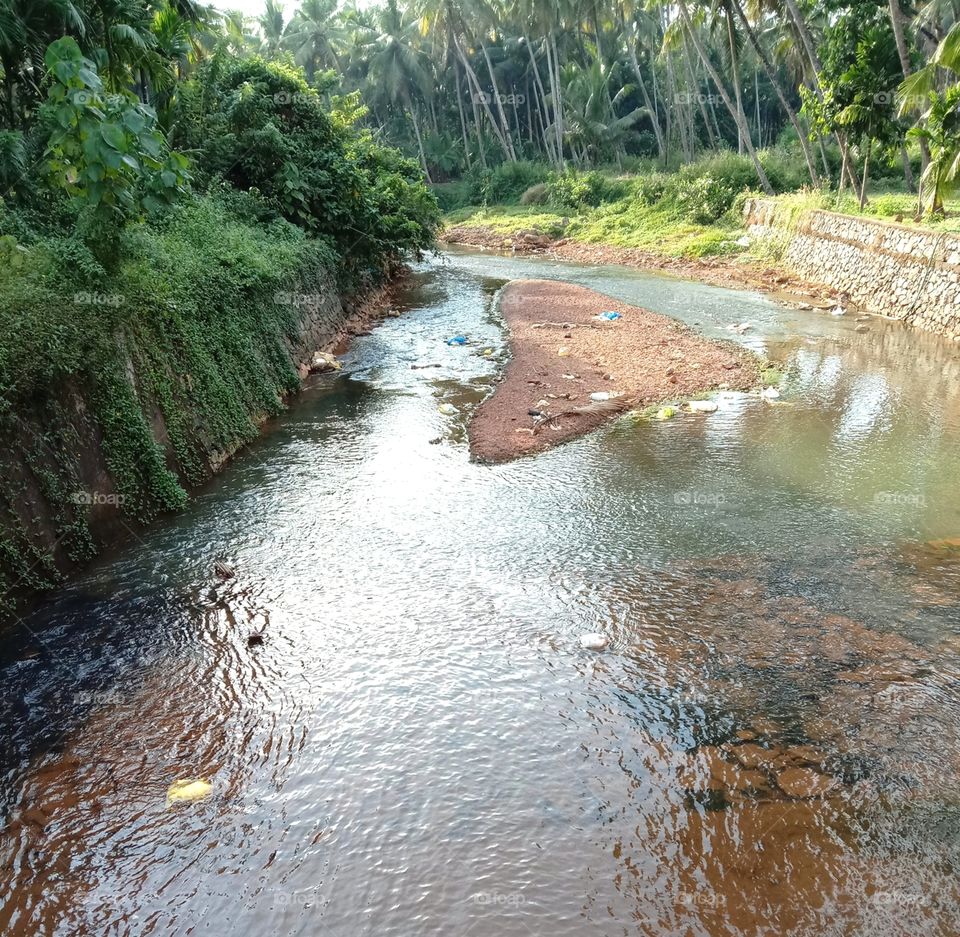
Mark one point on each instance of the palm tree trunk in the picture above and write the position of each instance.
(736, 114)
(654, 118)
(478, 95)
(896, 20)
(781, 96)
(463, 117)
(508, 136)
(416, 129)
(542, 99)
(556, 99)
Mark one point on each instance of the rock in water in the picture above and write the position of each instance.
(189, 789)
(324, 361)
(702, 406)
(594, 641)
(448, 409)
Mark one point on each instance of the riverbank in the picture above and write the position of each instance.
(579, 358)
(127, 388)
(716, 270)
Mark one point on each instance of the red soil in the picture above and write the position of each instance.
(643, 358)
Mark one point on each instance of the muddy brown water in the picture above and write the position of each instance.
(418, 745)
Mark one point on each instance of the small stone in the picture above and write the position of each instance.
(702, 406)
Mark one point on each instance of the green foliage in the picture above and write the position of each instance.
(505, 184)
(198, 314)
(105, 150)
(262, 129)
(573, 189)
(538, 194)
(703, 199)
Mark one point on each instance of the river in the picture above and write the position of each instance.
(415, 744)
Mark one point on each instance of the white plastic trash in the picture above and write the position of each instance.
(594, 641)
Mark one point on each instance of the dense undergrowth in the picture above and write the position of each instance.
(114, 311)
(693, 211)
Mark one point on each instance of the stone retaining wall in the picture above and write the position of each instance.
(899, 271)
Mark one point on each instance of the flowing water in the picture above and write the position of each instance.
(417, 745)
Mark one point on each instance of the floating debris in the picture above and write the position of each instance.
(769, 393)
(702, 406)
(223, 570)
(666, 413)
(189, 789)
(458, 340)
(324, 361)
(448, 409)
(593, 641)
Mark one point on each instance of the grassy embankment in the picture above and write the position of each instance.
(692, 213)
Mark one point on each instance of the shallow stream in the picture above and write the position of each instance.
(416, 745)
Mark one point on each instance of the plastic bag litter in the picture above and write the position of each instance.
(189, 789)
(666, 413)
(448, 409)
(594, 641)
(457, 340)
(608, 316)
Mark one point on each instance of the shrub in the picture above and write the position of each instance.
(452, 195)
(651, 189)
(704, 199)
(572, 189)
(260, 127)
(535, 195)
(506, 183)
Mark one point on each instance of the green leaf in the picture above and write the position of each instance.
(114, 136)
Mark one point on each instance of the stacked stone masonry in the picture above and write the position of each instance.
(891, 269)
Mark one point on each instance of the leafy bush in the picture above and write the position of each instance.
(572, 189)
(506, 183)
(260, 127)
(651, 189)
(536, 195)
(452, 195)
(703, 199)
(105, 150)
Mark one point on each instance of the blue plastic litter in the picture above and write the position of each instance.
(610, 316)
(457, 340)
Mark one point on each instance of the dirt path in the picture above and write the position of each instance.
(563, 356)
